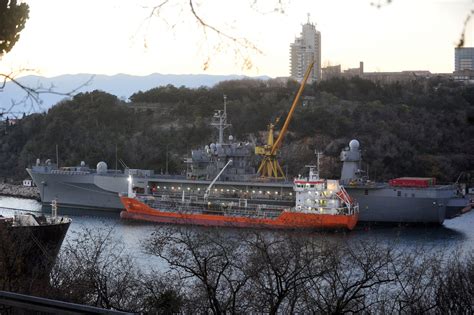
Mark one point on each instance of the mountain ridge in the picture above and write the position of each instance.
(12, 97)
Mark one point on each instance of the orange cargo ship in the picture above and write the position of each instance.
(320, 204)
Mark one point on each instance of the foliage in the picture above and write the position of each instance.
(219, 272)
(13, 18)
(420, 128)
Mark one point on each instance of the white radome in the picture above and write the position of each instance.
(354, 144)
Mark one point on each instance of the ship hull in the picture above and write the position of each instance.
(85, 191)
(137, 210)
(28, 253)
(101, 192)
(385, 206)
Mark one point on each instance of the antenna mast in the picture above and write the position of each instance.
(219, 121)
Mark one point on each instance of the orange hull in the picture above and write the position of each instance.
(137, 210)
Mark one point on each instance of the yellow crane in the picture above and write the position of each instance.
(269, 167)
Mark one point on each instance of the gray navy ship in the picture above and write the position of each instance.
(81, 187)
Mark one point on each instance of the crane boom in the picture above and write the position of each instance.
(269, 166)
(292, 109)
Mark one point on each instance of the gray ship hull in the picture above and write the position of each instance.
(377, 204)
(85, 191)
(384, 205)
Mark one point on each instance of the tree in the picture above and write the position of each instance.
(13, 18)
(213, 264)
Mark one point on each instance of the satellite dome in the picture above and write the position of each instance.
(231, 138)
(354, 144)
(101, 167)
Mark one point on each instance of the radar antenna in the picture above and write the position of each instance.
(219, 121)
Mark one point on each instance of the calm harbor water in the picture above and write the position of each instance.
(457, 233)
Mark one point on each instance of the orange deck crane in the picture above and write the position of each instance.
(269, 167)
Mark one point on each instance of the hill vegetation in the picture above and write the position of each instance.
(421, 128)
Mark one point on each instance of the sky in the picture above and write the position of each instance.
(118, 36)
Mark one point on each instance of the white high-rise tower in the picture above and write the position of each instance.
(306, 48)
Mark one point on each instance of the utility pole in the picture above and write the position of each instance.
(167, 159)
(57, 156)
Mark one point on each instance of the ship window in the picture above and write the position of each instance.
(399, 193)
(366, 192)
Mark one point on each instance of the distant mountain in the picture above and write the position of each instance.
(121, 85)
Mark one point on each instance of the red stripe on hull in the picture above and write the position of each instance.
(137, 210)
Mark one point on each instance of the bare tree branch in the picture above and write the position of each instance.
(33, 94)
(463, 33)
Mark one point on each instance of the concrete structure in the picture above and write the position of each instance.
(355, 71)
(463, 59)
(330, 72)
(465, 76)
(464, 65)
(392, 77)
(305, 49)
(378, 77)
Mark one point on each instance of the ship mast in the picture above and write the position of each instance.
(219, 121)
(318, 160)
(312, 174)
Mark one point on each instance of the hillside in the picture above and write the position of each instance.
(424, 128)
(121, 85)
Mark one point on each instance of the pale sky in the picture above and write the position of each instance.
(109, 36)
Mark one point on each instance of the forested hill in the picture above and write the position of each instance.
(422, 128)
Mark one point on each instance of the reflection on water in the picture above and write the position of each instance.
(455, 233)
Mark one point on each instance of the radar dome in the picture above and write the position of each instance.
(101, 167)
(83, 163)
(231, 138)
(354, 144)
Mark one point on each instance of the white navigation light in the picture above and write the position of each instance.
(130, 194)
